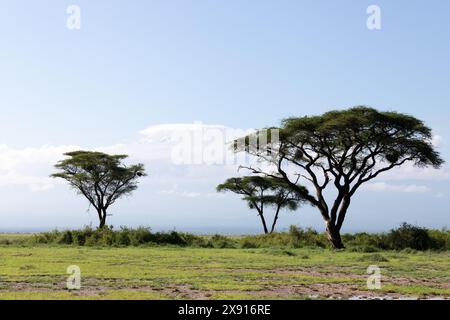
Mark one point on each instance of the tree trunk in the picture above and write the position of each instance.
(102, 223)
(334, 236)
(102, 218)
(275, 219)
(261, 215)
(263, 220)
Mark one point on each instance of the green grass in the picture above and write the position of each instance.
(200, 273)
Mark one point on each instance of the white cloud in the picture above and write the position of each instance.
(195, 143)
(175, 190)
(183, 144)
(410, 172)
(30, 166)
(11, 158)
(35, 184)
(155, 148)
(385, 187)
(437, 141)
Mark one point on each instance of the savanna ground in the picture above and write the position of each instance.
(39, 272)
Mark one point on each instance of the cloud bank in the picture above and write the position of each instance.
(195, 151)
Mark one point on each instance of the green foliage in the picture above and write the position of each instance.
(265, 191)
(405, 238)
(66, 237)
(99, 177)
(409, 236)
(221, 242)
(261, 192)
(52, 237)
(440, 238)
(364, 242)
(307, 237)
(342, 150)
(173, 237)
(295, 238)
(397, 136)
(124, 237)
(13, 239)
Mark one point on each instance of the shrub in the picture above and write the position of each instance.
(172, 237)
(123, 237)
(79, 237)
(46, 237)
(362, 240)
(66, 237)
(222, 242)
(140, 236)
(409, 236)
(306, 237)
(248, 244)
(405, 237)
(107, 237)
(267, 240)
(440, 239)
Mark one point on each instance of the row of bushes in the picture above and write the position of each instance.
(404, 237)
(109, 237)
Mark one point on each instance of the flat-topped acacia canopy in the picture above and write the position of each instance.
(99, 177)
(344, 149)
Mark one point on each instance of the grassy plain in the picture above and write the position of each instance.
(39, 272)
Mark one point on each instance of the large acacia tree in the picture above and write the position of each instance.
(342, 150)
(99, 177)
(262, 192)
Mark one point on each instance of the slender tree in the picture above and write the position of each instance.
(262, 192)
(100, 178)
(342, 150)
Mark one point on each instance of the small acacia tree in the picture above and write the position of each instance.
(262, 192)
(99, 177)
(342, 150)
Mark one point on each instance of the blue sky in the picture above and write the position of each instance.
(241, 64)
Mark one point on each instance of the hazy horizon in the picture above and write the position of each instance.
(235, 231)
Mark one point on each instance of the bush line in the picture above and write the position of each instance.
(405, 237)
